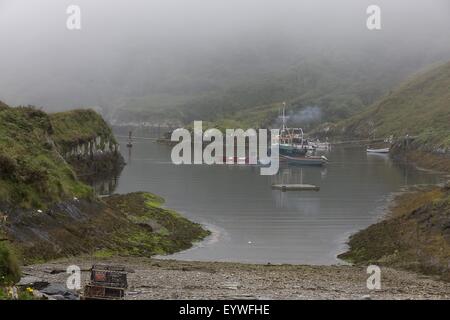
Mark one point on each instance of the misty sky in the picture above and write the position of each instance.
(128, 48)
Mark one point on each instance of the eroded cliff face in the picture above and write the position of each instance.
(86, 142)
(47, 211)
(96, 147)
(42, 157)
(98, 157)
(33, 174)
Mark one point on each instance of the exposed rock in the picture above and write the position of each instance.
(38, 295)
(55, 297)
(415, 234)
(231, 285)
(58, 290)
(447, 185)
(56, 271)
(166, 279)
(32, 282)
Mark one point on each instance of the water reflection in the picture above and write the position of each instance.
(252, 222)
(103, 185)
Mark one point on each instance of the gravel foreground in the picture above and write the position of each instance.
(170, 279)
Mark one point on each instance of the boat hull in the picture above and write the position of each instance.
(304, 161)
(295, 187)
(292, 150)
(384, 150)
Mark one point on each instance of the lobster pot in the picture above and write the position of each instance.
(109, 276)
(107, 282)
(101, 292)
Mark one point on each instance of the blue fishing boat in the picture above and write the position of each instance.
(290, 140)
(294, 148)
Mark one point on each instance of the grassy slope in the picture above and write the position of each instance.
(420, 107)
(130, 224)
(32, 173)
(75, 127)
(78, 126)
(416, 234)
(154, 230)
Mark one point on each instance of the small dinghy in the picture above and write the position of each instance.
(305, 161)
(295, 187)
(382, 150)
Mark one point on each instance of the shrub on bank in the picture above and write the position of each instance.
(9, 267)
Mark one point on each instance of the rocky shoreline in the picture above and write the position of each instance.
(414, 235)
(106, 230)
(402, 276)
(169, 279)
(132, 224)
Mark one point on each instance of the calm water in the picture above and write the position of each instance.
(251, 222)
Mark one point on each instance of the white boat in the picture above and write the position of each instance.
(382, 150)
(305, 160)
(322, 146)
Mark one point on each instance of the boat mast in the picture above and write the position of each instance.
(284, 117)
(301, 130)
(130, 140)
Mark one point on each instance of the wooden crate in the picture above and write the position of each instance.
(109, 276)
(101, 292)
(107, 282)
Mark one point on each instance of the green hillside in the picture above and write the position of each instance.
(46, 212)
(338, 88)
(419, 108)
(78, 126)
(32, 172)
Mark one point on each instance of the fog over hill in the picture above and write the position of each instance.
(191, 59)
(419, 108)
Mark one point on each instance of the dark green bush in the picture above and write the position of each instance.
(9, 267)
(8, 165)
